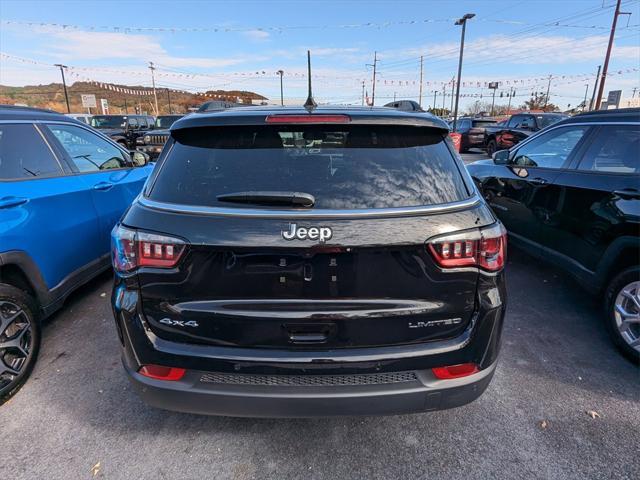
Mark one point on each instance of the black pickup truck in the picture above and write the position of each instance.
(520, 126)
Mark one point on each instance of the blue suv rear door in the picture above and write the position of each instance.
(106, 170)
(45, 210)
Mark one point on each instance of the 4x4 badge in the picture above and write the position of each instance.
(321, 234)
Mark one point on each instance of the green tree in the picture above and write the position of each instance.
(539, 101)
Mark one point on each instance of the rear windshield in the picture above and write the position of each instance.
(343, 167)
(483, 123)
(545, 120)
(108, 121)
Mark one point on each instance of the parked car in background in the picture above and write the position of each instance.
(124, 129)
(260, 274)
(571, 195)
(215, 105)
(153, 141)
(472, 131)
(62, 188)
(517, 128)
(81, 117)
(405, 105)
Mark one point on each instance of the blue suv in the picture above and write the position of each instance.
(63, 186)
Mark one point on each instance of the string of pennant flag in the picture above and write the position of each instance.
(279, 28)
(531, 82)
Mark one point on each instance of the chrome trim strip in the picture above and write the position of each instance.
(318, 213)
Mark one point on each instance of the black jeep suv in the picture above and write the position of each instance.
(571, 195)
(124, 129)
(289, 263)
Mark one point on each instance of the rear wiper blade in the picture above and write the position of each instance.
(298, 199)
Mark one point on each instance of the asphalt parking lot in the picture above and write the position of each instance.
(77, 416)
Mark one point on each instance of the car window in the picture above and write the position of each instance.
(515, 120)
(615, 149)
(24, 154)
(133, 123)
(89, 152)
(343, 167)
(549, 150)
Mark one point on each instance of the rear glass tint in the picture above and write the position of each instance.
(343, 167)
(483, 123)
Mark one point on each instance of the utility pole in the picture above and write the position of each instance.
(64, 85)
(605, 68)
(281, 72)
(394, 96)
(153, 82)
(595, 87)
(453, 84)
(461, 21)
(546, 100)
(363, 93)
(584, 102)
(420, 94)
(373, 87)
(444, 95)
(493, 101)
(126, 107)
(435, 94)
(512, 93)
(169, 99)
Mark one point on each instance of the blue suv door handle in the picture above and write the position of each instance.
(103, 186)
(8, 202)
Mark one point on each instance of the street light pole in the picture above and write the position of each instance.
(64, 85)
(461, 21)
(281, 72)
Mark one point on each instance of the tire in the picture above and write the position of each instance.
(492, 147)
(623, 295)
(19, 339)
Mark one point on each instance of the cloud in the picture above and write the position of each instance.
(81, 45)
(257, 35)
(530, 50)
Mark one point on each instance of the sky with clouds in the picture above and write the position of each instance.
(202, 45)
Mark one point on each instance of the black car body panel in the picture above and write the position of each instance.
(517, 128)
(473, 131)
(267, 325)
(584, 220)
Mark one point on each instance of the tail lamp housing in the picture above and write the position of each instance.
(484, 248)
(132, 249)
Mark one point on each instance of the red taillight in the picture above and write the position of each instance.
(485, 248)
(455, 371)
(311, 118)
(132, 249)
(159, 372)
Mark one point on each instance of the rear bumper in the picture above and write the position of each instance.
(264, 395)
(191, 395)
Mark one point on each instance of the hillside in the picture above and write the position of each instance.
(52, 97)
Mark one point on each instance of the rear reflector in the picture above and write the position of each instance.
(159, 372)
(308, 119)
(455, 371)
